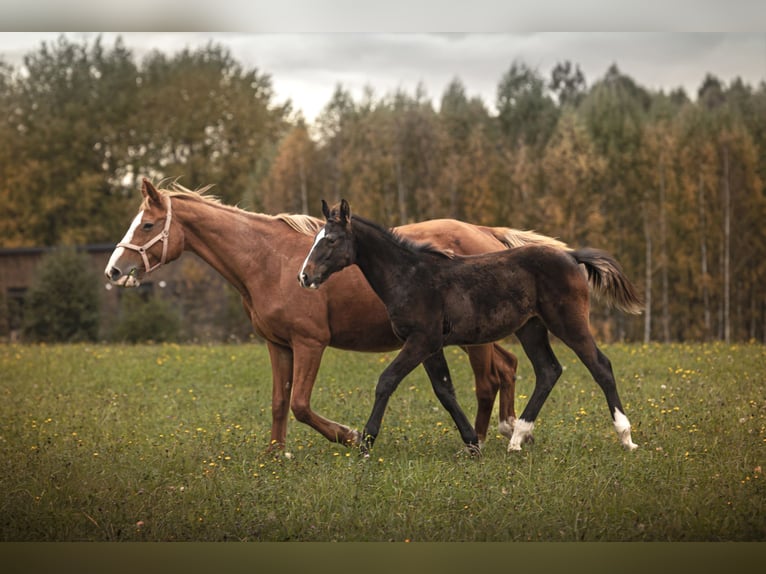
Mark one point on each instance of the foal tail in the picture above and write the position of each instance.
(608, 280)
(605, 276)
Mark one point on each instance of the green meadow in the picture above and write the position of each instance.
(169, 443)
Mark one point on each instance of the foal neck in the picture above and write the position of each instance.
(388, 261)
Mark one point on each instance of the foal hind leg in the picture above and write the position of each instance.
(574, 331)
(438, 371)
(534, 339)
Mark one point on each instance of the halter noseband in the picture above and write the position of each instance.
(162, 236)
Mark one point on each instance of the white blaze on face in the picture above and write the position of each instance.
(317, 239)
(120, 251)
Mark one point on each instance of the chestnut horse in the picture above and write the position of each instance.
(258, 254)
(436, 299)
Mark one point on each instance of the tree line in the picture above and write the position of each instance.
(672, 185)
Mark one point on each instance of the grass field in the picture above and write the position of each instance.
(167, 442)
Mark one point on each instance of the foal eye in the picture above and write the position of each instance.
(147, 226)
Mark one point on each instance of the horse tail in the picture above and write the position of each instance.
(608, 280)
(516, 238)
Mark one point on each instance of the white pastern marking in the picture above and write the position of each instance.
(622, 426)
(317, 239)
(117, 253)
(620, 421)
(505, 427)
(521, 429)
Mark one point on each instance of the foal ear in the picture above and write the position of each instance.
(345, 211)
(148, 190)
(325, 210)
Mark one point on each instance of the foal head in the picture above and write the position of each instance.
(152, 240)
(333, 248)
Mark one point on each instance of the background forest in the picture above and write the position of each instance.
(671, 183)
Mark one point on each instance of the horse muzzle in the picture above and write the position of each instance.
(117, 277)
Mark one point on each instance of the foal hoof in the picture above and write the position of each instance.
(364, 449)
(473, 449)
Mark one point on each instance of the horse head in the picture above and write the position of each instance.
(333, 248)
(151, 240)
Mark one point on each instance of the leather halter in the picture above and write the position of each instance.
(162, 236)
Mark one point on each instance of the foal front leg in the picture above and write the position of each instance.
(411, 355)
(438, 371)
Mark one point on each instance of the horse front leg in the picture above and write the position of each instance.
(438, 371)
(281, 387)
(306, 360)
(414, 350)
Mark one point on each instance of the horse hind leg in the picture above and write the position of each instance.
(504, 365)
(494, 370)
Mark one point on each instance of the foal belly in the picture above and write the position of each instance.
(485, 329)
(482, 319)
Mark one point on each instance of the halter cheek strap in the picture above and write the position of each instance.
(162, 236)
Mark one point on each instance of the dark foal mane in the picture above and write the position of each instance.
(408, 244)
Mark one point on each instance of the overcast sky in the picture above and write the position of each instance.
(308, 49)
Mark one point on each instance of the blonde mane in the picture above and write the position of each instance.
(304, 224)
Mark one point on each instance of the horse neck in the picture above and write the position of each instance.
(224, 238)
(383, 260)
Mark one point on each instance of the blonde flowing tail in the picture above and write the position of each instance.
(516, 238)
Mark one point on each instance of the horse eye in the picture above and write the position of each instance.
(147, 226)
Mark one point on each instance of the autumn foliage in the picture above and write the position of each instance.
(671, 183)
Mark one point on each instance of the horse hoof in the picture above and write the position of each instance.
(354, 439)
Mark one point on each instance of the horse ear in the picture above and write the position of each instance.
(148, 190)
(325, 210)
(345, 211)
